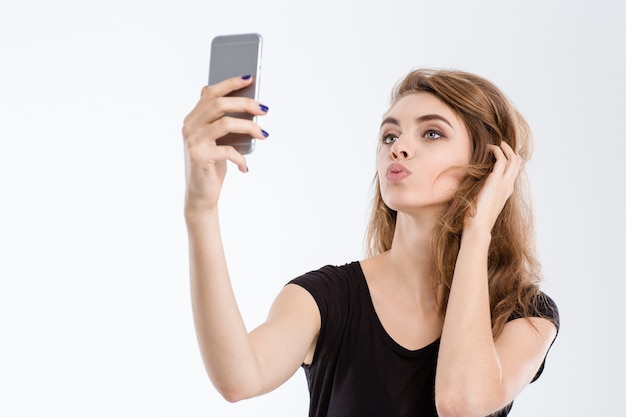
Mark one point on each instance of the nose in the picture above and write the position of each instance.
(399, 150)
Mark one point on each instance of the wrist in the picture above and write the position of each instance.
(476, 229)
(198, 213)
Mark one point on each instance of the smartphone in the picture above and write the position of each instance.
(232, 56)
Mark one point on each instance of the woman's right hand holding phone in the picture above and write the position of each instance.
(222, 335)
(205, 160)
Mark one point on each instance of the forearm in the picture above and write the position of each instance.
(468, 370)
(222, 336)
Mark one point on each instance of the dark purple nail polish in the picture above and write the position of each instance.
(246, 77)
(264, 108)
(265, 133)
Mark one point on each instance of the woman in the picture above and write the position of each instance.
(444, 317)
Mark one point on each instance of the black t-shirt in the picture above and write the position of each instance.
(358, 370)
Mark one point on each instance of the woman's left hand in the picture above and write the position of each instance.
(498, 187)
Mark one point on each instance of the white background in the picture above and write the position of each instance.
(95, 314)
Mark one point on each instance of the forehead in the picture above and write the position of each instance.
(418, 104)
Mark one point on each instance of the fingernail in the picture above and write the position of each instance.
(264, 108)
(265, 134)
(247, 169)
(246, 77)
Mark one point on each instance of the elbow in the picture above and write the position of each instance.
(237, 391)
(232, 394)
(454, 404)
(235, 386)
(232, 397)
(232, 387)
(449, 406)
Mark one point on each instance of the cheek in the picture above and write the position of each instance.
(380, 168)
(447, 181)
(446, 184)
(379, 161)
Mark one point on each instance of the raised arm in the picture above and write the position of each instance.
(240, 365)
(477, 375)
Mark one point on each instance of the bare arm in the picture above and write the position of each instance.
(476, 375)
(243, 365)
(240, 365)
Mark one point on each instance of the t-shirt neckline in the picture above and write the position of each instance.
(391, 342)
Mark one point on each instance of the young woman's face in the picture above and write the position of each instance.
(421, 138)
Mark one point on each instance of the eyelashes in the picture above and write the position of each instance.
(433, 134)
(389, 138)
(429, 135)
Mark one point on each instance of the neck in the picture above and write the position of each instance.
(409, 260)
(412, 240)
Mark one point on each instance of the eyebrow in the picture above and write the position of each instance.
(421, 119)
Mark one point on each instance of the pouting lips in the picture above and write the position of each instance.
(397, 172)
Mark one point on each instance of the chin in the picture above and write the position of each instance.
(414, 208)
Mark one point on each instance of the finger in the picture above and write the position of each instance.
(227, 125)
(202, 155)
(501, 160)
(505, 146)
(231, 154)
(507, 150)
(220, 89)
(228, 86)
(222, 105)
(204, 116)
(514, 160)
(209, 134)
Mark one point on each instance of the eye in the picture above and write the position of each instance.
(432, 134)
(389, 138)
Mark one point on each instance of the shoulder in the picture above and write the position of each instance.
(546, 308)
(541, 305)
(536, 335)
(328, 278)
(331, 286)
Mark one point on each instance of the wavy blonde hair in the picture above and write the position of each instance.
(513, 267)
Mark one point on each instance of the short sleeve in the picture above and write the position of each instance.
(330, 288)
(544, 307)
